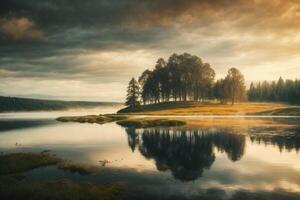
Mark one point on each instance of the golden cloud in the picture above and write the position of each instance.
(20, 29)
(282, 16)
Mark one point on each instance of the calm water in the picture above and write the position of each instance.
(242, 159)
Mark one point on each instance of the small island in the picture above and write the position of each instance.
(186, 86)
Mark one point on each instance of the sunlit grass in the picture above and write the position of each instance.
(197, 108)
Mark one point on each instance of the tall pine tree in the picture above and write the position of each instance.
(133, 94)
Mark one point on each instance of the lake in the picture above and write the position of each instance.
(230, 158)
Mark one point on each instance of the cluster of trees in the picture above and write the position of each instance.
(184, 78)
(280, 91)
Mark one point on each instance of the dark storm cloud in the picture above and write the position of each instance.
(68, 24)
(58, 15)
(100, 12)
(44, 38)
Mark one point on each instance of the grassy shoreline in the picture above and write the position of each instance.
(15, 185)
(16, 163)
(160, 115)
(196, 108)
(123, 120)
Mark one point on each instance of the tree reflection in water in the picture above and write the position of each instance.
(285, 138)
(133, 138)
(186, 153)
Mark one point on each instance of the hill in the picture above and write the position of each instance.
(15, 104)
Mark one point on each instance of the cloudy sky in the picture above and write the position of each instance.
(88, 50)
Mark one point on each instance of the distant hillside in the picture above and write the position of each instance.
(10, 104)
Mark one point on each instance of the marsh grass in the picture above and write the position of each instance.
(99, 119)
(13, 189)
(123, 120)
(12, 164)
(15, 186)
(22, 162)
(147, 123)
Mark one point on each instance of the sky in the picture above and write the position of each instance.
(89, 50)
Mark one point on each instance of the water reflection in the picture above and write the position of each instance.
(285, 138)
(8, 125)
(188, 152)
(214, 160)
(133, 138)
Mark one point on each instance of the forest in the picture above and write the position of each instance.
(185, 78)
(281, 91)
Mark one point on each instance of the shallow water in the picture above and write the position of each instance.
(245, 161)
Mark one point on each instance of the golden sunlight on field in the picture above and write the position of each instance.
(218, 109)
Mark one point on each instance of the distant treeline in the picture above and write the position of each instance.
(185, 78)
(280, 91)
(10, 104)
